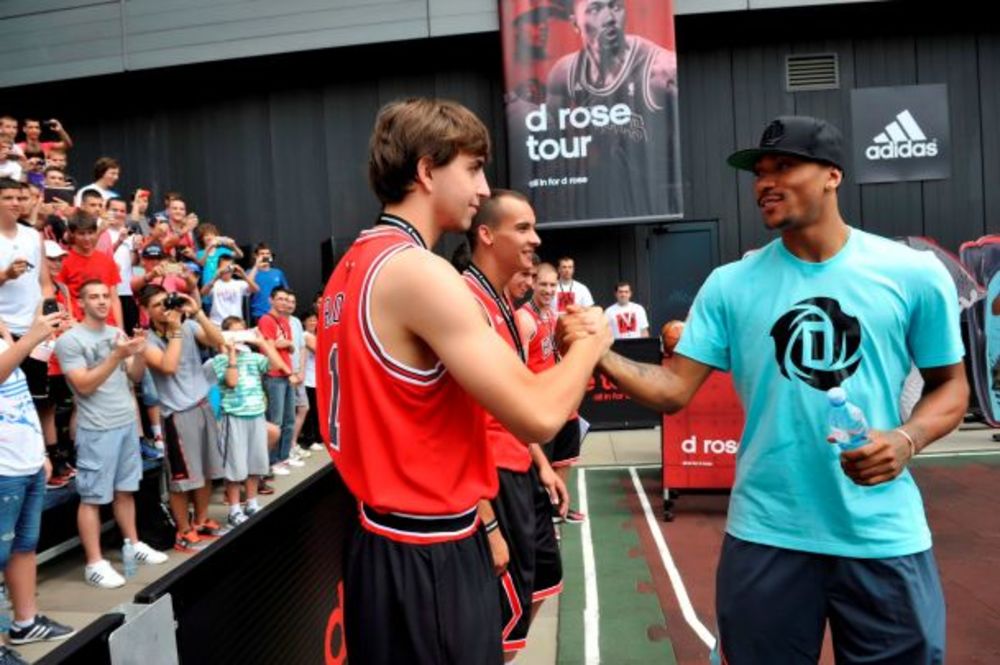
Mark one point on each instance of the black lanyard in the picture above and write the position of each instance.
(403, 225)
(508, 315)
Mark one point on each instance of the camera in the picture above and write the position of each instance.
(173, 301)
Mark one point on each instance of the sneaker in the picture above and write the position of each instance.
(102, 575)
(42, 628)
(295, 461)
(147, 556)
(264, 488)
(149, 451)
(250, 511)
(158, 443)
(575, 517)
(10, 657)
(280, 470)
(317, 446)
(303, 452)
(237, 518)
(210, 529)
(189, 542)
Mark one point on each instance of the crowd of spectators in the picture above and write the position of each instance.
(131, 336)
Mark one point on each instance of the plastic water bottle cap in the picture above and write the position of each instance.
(837, 396)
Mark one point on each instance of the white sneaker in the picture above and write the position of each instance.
(280, 470)
(303, 453)
(102, 575)
(317, 446)
(295, 461)
(237, 518)
(146, 555)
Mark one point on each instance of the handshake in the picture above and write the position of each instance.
(583, 323)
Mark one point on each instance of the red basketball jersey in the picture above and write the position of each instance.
(404, 439)
(541, 347)
(508, 451)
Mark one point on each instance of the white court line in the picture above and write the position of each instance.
(668, 563)
(968, 453)
(591, 613)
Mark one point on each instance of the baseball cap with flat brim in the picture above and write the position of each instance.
(799, 136)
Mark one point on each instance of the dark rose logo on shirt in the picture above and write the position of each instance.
(818, 343)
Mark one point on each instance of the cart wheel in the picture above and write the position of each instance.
(668, 510)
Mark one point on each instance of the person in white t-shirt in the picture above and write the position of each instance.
(628, 319)
(24, 469)
(106, 174)
(117, 242)
(568, 290)
(227, 293)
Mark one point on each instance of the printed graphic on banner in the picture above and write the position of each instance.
(901, 133)
(591, 101)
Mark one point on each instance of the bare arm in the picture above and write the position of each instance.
(939, 411)
(666, 389)
(267, 349)
(44, 277)
(447, 319)
(116, 310)
(526, 325)
(40, 330)
(86, 381)
(207, 334)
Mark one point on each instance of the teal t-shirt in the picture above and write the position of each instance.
(247, 399)
(788, 330)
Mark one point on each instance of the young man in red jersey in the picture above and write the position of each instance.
(523, 542)
(537, 322)
(401, 372)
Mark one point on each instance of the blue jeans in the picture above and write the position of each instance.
(21, 501)
(281, 412)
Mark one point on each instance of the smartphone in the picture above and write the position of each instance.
(50, 306)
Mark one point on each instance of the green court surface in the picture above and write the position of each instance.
(628, 623)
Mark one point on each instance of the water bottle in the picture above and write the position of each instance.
(848, 427)
(4, 609)
(128, 559)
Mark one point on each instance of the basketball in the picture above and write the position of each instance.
(670, 334)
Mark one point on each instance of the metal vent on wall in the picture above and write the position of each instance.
(818, 71)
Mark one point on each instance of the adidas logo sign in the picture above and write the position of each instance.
(902, 139)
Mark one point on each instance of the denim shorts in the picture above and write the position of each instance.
(21, 501)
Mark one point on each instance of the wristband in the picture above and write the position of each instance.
(909, 440)
(491, 526)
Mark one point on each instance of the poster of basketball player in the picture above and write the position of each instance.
(591, 102)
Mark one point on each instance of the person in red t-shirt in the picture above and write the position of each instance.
(274, 326)
(32, 129)
(84, 263)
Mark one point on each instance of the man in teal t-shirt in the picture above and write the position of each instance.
(817, 535)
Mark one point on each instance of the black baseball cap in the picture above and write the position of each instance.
(798, 136)
(153, 250)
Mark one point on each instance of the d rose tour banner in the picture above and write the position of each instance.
(591, 101)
